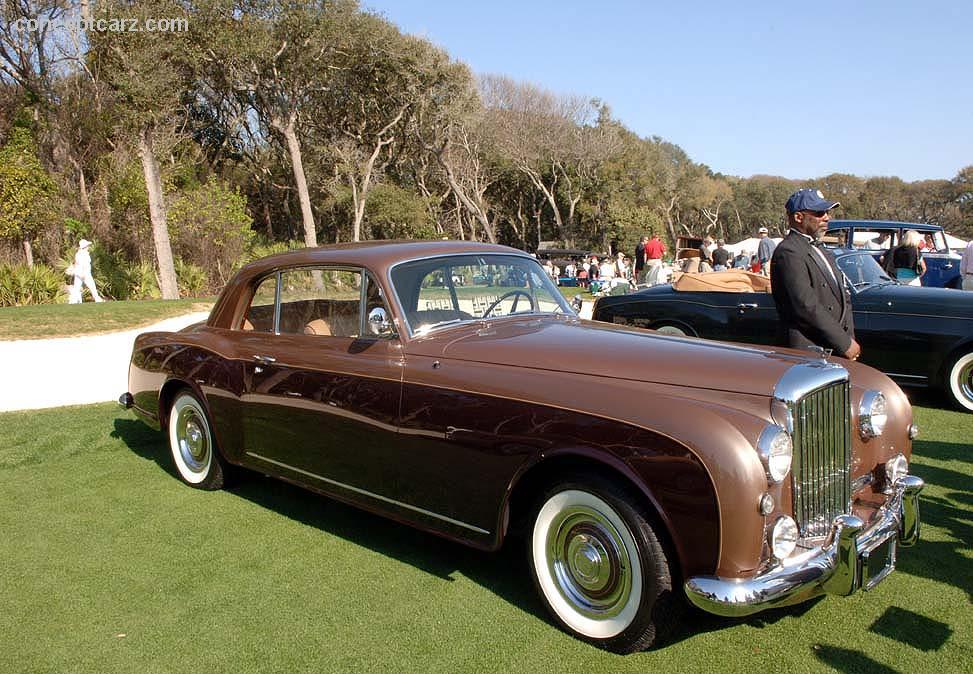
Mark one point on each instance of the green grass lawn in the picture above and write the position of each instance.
(109, 564)
(66, 320)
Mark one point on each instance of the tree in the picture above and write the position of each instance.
(962, 196)
(283, 59)
(448, 124)
(550, 139)
(385, 89)
(149, 74)
(26, 190)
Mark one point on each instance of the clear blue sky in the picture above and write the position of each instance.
(793, 89)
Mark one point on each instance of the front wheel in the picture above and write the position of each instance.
(599, 566)
(959, 383)
(191, 441)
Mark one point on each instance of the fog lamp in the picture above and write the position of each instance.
(783, 537)
(766, 504)
(776, 452)
(872, 414)
(896, 468)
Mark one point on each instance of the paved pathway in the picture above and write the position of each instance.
(40, 373)
(72, 370)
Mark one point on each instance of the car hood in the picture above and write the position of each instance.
(602, 349)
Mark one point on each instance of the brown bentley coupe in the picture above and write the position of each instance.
(449, 386)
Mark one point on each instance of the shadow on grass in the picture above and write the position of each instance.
(943, 560)
(697, 622)
(911, 628)
(849, 661)
(505, 572)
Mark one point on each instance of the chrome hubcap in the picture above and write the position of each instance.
(193, 439)
(966, 381)
(589, 563)
(671, 330)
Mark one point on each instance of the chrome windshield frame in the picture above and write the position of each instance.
(419, 333)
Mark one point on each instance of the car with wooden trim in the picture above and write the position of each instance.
(449, 386)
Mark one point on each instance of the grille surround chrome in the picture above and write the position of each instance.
(816, 399)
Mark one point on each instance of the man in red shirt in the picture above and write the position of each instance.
(654, 250)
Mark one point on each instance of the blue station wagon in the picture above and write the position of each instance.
(942, 265)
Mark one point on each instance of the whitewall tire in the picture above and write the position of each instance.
(598, 565)
(960, 382)
(191, 441)
(672, 330)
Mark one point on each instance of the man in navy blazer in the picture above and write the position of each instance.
(812, 298)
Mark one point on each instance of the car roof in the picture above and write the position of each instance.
(376, 255)
(884, 224)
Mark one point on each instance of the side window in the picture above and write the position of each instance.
(260, 314)
(936, 243)
(320, 302)
(875, 239)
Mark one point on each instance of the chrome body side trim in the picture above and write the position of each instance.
(834, 567)
(369, 494)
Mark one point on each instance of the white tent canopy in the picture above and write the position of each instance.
(748, 246)
(954, 242)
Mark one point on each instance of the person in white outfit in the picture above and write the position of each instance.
(82, 274)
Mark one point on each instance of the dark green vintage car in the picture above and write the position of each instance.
(917, 336)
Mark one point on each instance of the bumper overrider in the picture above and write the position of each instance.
(850, 558)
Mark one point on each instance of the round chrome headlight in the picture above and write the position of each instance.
(896, 468)
(776, 452)
(872, 414)
(783, 537)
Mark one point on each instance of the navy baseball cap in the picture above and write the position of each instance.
(809, 200)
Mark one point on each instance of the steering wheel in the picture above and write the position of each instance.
(512, 293)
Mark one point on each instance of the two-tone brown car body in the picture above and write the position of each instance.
(447, 385)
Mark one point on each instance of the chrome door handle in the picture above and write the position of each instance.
(948, 266)
(744, 305)
(266, 360)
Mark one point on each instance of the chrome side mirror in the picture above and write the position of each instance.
(379, 323)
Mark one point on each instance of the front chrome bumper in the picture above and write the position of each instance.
(841, 565)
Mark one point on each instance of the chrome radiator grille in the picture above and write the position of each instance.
(822, 458)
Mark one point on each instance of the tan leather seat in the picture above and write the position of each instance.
(730, 281)
(247, 325)
(318, 326)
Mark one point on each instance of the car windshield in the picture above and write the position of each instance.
(863, 271)
(452, 289)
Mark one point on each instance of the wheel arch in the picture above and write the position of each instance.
(527, 488)
(955, 352)
(167, 396)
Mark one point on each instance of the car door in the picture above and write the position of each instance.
(321, 394)
(752, 317)
(888, 343)
(942, 265)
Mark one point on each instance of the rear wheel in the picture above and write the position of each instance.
(191, 442)
(673, 330)
(599, 566)
(959, 383)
